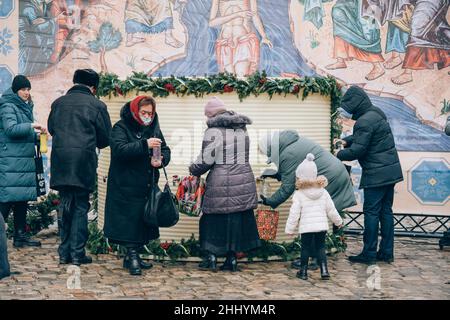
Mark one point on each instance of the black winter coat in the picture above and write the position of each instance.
(372, 142)
(130, 179)
(79, 123)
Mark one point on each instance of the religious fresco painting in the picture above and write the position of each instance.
(397, 50)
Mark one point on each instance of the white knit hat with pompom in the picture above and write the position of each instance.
(307, 170)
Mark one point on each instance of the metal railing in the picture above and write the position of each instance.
(405, 224)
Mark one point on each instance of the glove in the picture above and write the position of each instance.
(278, 177)
(263, 200)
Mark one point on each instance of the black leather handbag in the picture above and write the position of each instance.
(160, 209)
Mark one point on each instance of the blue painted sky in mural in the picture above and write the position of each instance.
(409, 133)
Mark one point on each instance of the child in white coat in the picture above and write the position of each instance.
(312, 207)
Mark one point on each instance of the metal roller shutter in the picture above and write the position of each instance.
(180, 115)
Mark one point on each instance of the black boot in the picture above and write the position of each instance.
(296, 264)
(4, 275)
(21, 239)
(361, 258)
(209, 263)
(230, 263)
(324, 274)
(384, 258)
(132, 263)
(65, 260)
(303, 273)
(144, 265)
(313, 265)
(82, 260)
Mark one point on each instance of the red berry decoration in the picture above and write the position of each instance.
(169, 87)
(227, 88)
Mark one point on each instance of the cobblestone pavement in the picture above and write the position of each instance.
(420, 271)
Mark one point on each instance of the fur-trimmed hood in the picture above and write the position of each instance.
(313, 189)
(229, 119)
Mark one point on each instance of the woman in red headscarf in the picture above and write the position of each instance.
(131, 176)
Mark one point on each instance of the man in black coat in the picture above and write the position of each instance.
(372, 144)
(79, 123)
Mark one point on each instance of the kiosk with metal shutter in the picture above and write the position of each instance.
(182, 122)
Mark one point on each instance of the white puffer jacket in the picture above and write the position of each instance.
(310, 211)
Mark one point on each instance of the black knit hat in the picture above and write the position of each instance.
(87, 77)
(20, 82)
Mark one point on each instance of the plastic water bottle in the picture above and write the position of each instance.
(156, 157)
(43, 142)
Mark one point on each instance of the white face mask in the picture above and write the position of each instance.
(146, 120)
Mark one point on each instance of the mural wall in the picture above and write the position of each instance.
(398, 50)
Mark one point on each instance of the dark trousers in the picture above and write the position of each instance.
(378, 211)
(20, 213)
(4, 264)
(73, 222)
(313, 245)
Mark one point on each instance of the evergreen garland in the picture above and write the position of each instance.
(256, 84)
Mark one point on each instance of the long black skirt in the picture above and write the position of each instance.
(221, 233)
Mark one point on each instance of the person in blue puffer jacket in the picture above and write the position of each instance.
(17, 151)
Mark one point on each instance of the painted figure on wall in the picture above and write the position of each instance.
(429, 43)
(237, 48)
(68, 15)
(37, 29)
(314, 12)
(397, 15)
(355, 37)
(240, 41)
(45, 26)
(149, 17)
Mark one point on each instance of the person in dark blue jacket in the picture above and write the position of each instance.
(17, 151)
(373, 145)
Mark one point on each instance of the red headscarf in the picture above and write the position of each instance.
(134, 108)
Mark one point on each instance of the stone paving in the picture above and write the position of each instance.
(420, 271)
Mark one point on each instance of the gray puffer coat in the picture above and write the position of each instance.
(230, 185)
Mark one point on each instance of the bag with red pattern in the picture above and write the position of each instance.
(189, 195)
(267, 223)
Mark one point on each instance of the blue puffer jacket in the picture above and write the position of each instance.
(17, 141)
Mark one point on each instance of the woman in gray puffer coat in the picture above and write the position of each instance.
(228, 223)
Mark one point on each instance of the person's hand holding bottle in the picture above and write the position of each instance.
(39, 127)
(153, 142)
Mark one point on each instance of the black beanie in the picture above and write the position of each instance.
(20, 82)
(87, 77)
